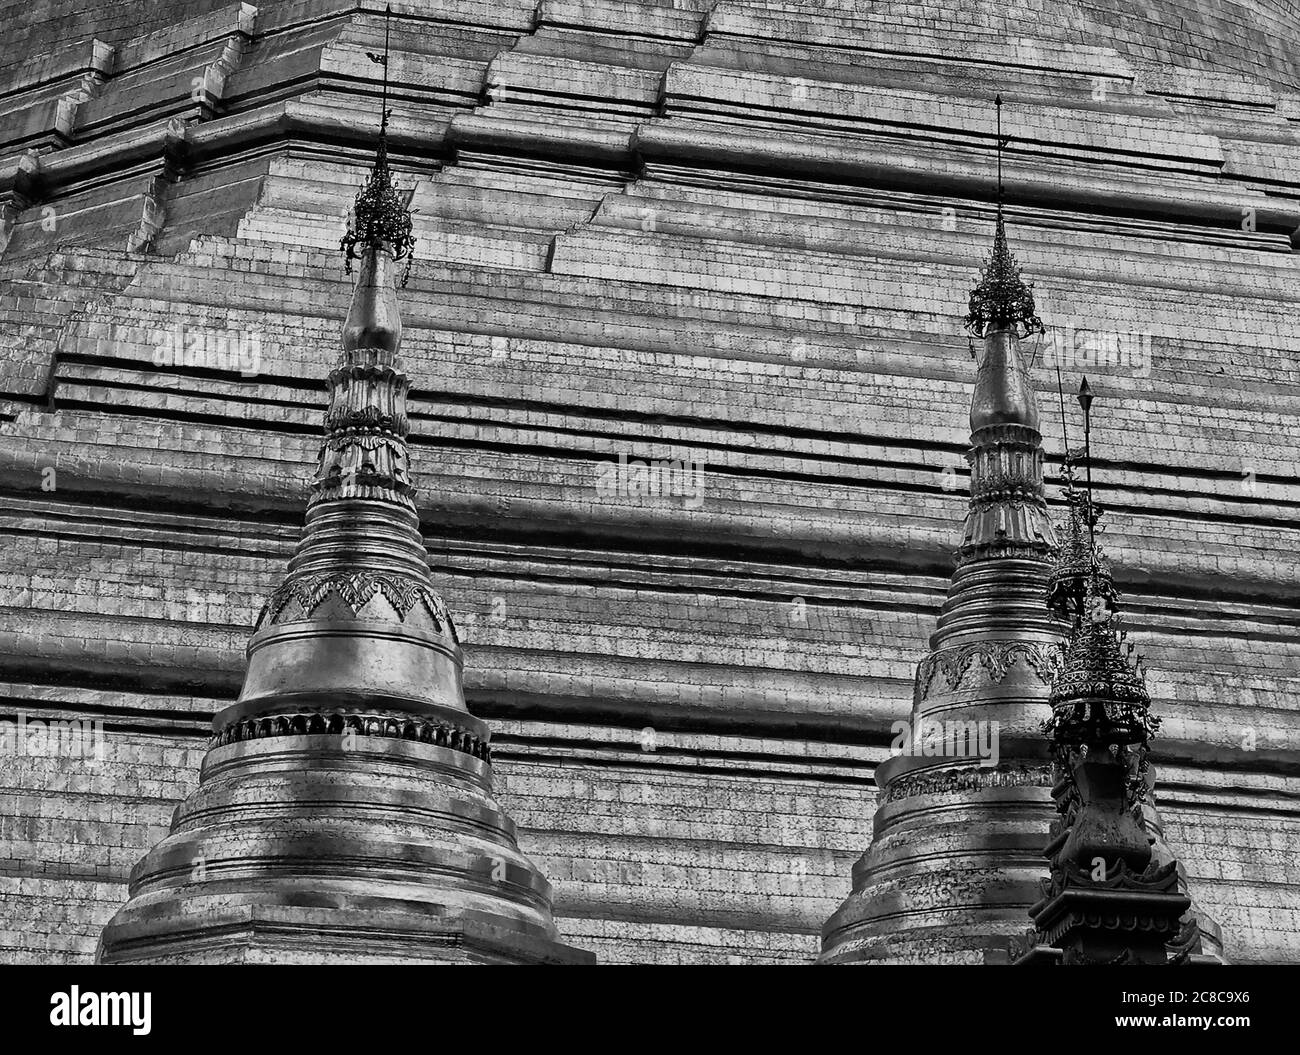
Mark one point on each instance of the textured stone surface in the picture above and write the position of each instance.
(677, 231)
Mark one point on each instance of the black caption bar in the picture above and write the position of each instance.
(84, 1005)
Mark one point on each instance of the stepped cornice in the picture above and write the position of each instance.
(278, 79)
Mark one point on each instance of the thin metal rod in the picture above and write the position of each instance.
(383, 118)
(1065, 425)
(1085, 401)
(998, 100)
(1087, 461)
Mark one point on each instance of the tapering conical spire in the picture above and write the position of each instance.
(362, 556)
(1008, 511)
(953, 863)
(345, 812)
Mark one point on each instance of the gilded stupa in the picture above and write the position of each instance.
(345, 811)
(730, 235)
(952, 864)
(955, 860)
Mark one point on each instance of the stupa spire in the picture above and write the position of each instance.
(974, 817)
(345, 811)
(1008, 511)
(361, 548)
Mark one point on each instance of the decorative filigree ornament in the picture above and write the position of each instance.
(339, 722)
(1098, 697)
(1002, 299)
(356, 589)
(995, 657)
(964, 780)
(1078, 561)
(380, 218)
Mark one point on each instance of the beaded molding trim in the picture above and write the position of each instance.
(967, 780)
(298, 723)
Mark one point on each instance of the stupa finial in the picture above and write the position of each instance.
(345, 808)
(380, 216)
(1002, 299)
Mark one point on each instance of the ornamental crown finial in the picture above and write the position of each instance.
(380, 216)
(1002, 299)
(1098, 695)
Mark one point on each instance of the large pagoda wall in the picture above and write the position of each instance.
(702, 231)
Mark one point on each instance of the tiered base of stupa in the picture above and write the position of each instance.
(348, 846)
(953, 868)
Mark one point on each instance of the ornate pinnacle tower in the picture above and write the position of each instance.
(1107, 899)
(344, 812)
(955, 859)
(1115, 894)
